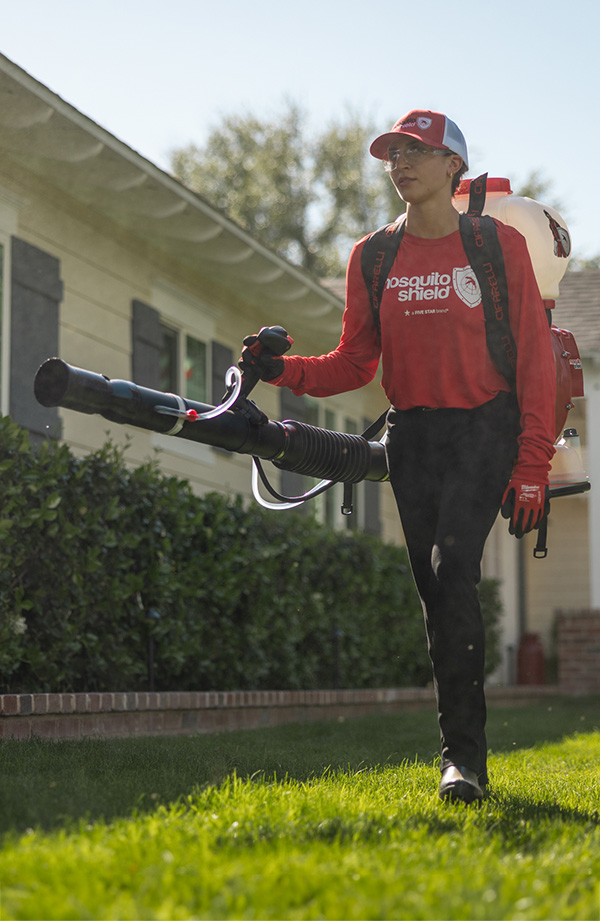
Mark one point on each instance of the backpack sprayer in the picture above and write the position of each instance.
(549, 245)
(236, 425)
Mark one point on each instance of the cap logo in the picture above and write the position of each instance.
(424, 123)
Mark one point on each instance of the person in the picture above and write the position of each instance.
(460, 444)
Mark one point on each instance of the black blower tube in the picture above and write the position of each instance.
(290, 445)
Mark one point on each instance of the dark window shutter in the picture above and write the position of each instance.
(294, 408)
(146, 341)
(36, 293)
(372, 501)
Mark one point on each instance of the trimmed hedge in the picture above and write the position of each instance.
(98, 562)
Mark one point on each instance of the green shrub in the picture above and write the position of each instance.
(97, 560)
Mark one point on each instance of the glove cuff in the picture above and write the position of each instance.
(529, 473)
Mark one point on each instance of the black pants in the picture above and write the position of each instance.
(449, 469)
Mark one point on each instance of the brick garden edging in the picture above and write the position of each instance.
(77, 716)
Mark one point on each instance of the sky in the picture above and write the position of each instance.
(520, 77)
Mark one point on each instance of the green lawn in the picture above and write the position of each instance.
(335, 820)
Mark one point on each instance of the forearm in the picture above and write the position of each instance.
(326, 375)
(354, 362)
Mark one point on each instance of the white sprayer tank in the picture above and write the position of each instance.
(549, 245)
(546, 232)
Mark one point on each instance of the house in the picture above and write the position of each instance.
(112, 264)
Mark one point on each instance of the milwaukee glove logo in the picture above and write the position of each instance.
(530, 494)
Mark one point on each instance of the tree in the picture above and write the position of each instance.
(579, 264)
(538, 187)
(306, 195)
(309, 197)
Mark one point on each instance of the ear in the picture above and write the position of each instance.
(454, 164)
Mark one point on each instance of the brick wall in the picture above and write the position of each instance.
(578, 640)
(76, 716)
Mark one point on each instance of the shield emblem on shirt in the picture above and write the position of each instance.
(466, 286)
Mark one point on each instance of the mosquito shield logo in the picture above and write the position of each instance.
(466, 286)
(562, 240)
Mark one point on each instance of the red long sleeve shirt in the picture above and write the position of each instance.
(433, 345)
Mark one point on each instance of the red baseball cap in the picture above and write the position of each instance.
(432, 128)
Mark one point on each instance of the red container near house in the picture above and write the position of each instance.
(531, 666)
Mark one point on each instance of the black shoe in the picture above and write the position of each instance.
(459, 784)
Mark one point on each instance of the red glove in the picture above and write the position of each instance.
(253, 359)
(260, 357)
(525, 501)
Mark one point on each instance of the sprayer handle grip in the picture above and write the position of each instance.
(260, 356)
(271, 341)
(274, 339)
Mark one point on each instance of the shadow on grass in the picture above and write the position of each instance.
(52, 784)
(518, 814)
(521, 823)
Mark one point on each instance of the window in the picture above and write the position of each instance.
(183, 364)
(196, 370)
(188, 351)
